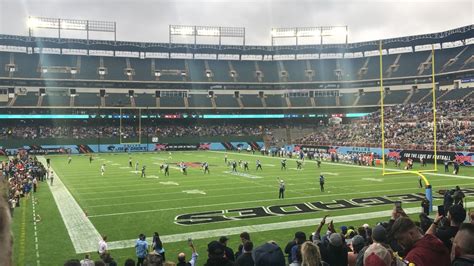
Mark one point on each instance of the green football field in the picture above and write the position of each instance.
(121, 204)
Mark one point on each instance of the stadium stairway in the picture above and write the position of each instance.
(241, 104)
(264, 103)
(12, 101)
(468, 95)
(71, 101)
(40, 100)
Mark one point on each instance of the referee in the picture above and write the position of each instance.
(321, 182)
(281, 193)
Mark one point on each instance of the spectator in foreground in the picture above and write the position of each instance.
(245, 259)
(5, 233)
(141, 248)
(216, 257)
(421, 250)
(129, 262)
(447, 232)
(244, 236)
(310, 255)
(182, 257)
(87, 261)
(378, 255)
(229, 253)
(268, 254)
(102, 247)
(462, 253)
(157, 246)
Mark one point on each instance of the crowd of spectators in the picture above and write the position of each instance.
(88, 132)
(406, 126)
(22, 175)
(445, 240)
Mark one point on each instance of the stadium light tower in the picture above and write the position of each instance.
(205, 31)
(71, 24)
(309, 32)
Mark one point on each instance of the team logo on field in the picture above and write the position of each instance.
(298, 208)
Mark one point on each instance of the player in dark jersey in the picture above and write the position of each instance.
(143, 171)
(259, 165)
(299, 165)
(167, 169)
(283, 164)
(318, 162)
(69, 159)
(246, 166)
(321, 182)
(234, 166)
(205, 166)
(130, 162)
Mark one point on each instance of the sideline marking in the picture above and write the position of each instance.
(84, 236)
(35, 231)
(265, 227)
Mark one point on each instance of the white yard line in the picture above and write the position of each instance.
(266, 227)
(84, 236)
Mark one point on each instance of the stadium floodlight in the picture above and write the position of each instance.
(309, 32)
(71, 24)
(218, 32)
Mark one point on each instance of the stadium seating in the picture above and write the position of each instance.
(250, 101)
(56, 100)
(145, 100)
(199, 100)
(171, 101)
(275, 101)
(30, 99)
(226, 100)
(87, 99)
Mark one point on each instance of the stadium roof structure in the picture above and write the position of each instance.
(458, 34)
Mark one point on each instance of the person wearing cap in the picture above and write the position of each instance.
(377, 255)
(268, 254)
(300, 238)
(357, 243)
(421, 249)
(379, 235)
(456, 216)
(336, 250)
(229, 253)
(182, 257)
(215, 255)
(462, 253)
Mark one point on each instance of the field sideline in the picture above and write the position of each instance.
(121, 205)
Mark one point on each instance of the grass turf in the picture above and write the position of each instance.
(121, 205)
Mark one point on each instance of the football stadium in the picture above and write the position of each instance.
(200, 147)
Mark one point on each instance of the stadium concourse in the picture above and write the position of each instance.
(131, 153)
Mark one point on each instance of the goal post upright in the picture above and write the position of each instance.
(139, 127)
(428, 188)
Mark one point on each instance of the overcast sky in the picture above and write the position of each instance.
(147, 20)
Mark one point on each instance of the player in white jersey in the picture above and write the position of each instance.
(102, 169)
